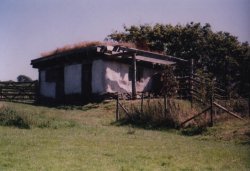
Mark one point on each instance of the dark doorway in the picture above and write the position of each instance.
(86, 81)
(59, 84)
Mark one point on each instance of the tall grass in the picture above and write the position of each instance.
(84, 45)
(152, 114)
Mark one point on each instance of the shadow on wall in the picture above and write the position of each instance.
(114, 86)
(122, 74)
(154, 84)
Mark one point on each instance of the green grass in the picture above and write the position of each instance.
(93, 143)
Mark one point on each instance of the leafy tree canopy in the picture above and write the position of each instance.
(23, 78)
(218, 54)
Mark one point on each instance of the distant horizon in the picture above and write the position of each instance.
(32, 27)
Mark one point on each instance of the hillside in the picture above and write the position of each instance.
(86, 138)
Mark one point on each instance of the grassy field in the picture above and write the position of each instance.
(85, 138)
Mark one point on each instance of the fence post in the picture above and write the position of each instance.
(191, 81)
(117, 117)
(249, 106)
(37, 91)
(165, 105)
(134, 77)
(211, 104)
(211, 112)
(142, 98)
(215, 112)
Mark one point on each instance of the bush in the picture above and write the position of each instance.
(240, 106)
(9, 117)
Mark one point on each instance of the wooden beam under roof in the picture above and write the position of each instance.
(152, 54)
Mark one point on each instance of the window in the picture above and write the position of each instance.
(139, 73)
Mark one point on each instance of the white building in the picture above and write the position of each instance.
(83, 73)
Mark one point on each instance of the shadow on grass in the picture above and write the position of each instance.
(164, 125)
(195, 130)
(69, 106)
(245, 143)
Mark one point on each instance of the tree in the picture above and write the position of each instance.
(164, 82)
(219, 54)
(23, 78)
(169, 83)
(244, 63)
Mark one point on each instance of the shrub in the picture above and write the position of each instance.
(9, 117)
(21, 119)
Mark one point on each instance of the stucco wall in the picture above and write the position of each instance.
(47, 89)
(72, 79)
(98, 77)
(116, 77)
(110, 76)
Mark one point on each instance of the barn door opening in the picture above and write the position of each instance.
(86, 81)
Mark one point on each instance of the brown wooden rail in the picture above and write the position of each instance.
(18, 91)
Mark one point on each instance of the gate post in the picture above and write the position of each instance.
(249, 105)
(211, 103)
(142, 98)
(165, 105)
(191, 80)
(134, 77)
(211, 112)
(117, 117)
(0, 93)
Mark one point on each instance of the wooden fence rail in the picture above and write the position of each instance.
(18, 91)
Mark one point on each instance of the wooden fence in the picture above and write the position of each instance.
(208, 93)
(18, 91)
(141, 97)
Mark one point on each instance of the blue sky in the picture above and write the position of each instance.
(29, 27)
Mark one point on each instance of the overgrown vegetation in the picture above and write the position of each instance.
(157, 113)
(239, 106)
(218, 54)
(169, 83)
(84, 44)
(9, 117)
(152, 115)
